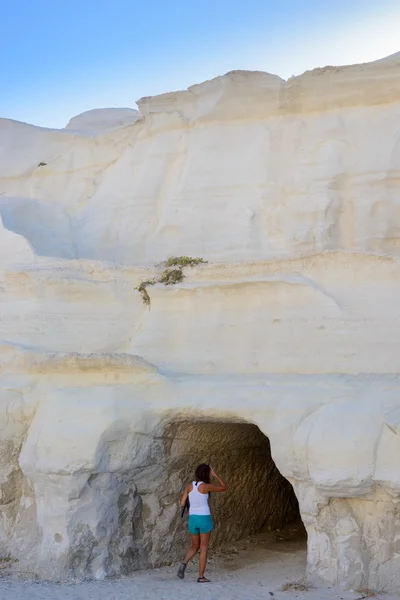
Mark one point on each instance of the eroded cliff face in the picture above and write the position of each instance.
(243, 167)
(280, 353)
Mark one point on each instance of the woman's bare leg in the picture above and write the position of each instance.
(204, 541)
(193, 548)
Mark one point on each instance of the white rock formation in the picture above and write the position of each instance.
(103, 118)
(290, 191)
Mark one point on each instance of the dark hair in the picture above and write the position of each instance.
(202, 473)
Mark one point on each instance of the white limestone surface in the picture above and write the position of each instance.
(243, 167)
(290, 191)
(103, 118)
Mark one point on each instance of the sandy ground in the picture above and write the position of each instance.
(254, 569)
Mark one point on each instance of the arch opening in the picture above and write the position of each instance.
(259, 499)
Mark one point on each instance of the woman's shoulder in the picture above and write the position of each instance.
(189, 486)
(203, 487)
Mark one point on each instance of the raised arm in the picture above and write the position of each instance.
(210, 487)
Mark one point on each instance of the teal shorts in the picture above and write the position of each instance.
(200, 524)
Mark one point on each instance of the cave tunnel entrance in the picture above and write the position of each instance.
(259, 499)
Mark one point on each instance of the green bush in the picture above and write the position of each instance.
(172, 274)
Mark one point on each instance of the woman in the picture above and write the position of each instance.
(200, 521)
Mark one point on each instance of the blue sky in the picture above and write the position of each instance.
(59, 58)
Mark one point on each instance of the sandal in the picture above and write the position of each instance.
(203, 580)
(181, 570)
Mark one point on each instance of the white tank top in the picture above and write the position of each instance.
(198, 502)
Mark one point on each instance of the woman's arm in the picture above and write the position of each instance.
(185, 495)
(222, 487)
